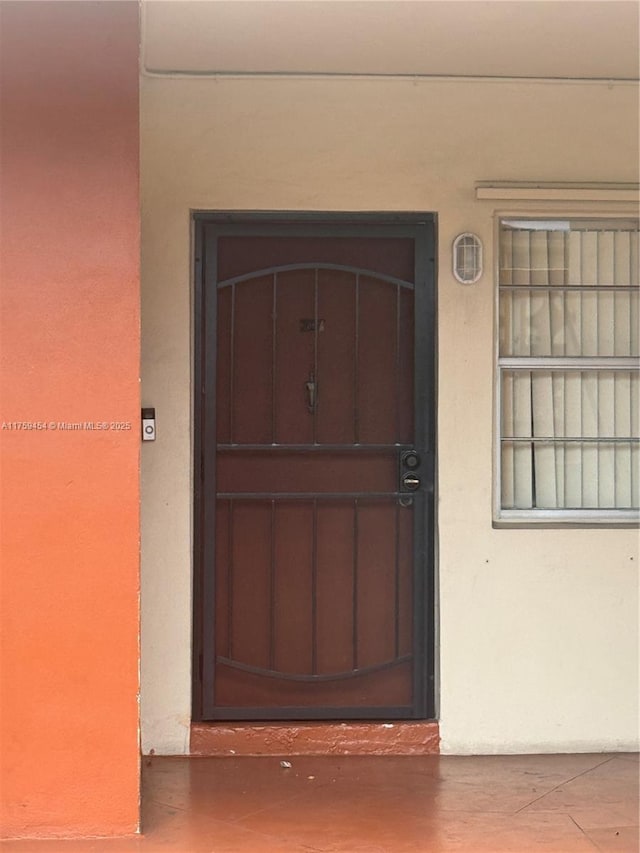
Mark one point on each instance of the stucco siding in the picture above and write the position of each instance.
(537, 629)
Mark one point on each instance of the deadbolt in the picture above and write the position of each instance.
(411, 482)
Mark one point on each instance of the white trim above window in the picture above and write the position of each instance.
(568, 371)
(530, 191)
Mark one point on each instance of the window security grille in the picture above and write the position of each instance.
(569, 371)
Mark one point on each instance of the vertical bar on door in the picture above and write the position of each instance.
(232, 367)
(272, 590)
(355, 585)
(274, 353)
(397, 583)
(314, 590)
(230, 577)
(356, 366)
(398, 379)
(206, 391)
(397, 506)
(314, 412)
(425, 439)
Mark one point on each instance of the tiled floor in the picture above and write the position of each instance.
(490, 804)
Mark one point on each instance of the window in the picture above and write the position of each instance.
(568, 371)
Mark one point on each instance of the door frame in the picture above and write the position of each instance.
(280, 223)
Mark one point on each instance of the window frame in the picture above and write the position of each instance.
(551, 518)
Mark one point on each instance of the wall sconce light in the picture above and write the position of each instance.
(467, 258)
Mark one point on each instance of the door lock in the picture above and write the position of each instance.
(410, 482)
(409, 464)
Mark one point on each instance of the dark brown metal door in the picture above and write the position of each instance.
(314, 519)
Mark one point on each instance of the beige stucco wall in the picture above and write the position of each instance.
(538, 629)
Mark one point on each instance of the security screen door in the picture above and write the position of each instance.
(315, 458)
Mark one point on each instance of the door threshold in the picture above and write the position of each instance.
(415, 737)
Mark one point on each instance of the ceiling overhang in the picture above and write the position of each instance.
(572, 39)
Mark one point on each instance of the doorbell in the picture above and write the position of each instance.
(148, 424)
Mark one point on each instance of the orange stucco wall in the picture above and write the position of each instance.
(69, 346)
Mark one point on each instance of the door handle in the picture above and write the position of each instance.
(312, 392)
